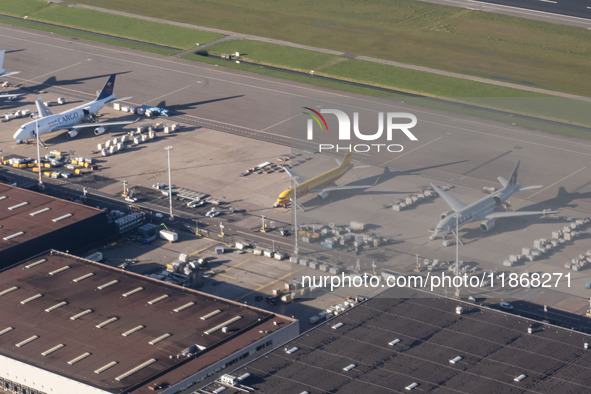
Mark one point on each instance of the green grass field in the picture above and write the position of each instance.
(511, 49)
(355, 70)
(115, 25)
(274, 55)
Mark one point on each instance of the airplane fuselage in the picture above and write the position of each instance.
(475, 211)
(62, 121)
(318, 181)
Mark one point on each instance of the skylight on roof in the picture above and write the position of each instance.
(22, 204)
(183, 307)
(9, 237)
(158, 299)
(131, 292)
(136, 369)
(79, 358)
(58, 219)
(159, 339)
(39, 212)
(28, 340)
(105, 367)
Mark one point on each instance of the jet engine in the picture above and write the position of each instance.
(99, 130)
(488, 225)
(72, 133)
(323, 195)
(446, 214)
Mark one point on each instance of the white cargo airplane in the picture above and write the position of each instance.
(482, 209)
(72, 119)
(3, 73)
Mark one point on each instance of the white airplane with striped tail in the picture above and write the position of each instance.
(483, 209)
(72, 119)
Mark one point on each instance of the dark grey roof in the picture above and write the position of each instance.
(495, 348)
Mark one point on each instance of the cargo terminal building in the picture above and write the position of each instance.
(70, 325)
(31, 223)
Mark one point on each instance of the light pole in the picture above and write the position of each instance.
(457, 252)
(168, 149)
(294, 208)
(38, 154)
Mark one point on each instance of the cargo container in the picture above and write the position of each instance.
(357, 226)
(279, 256)
(168, 235)
(287, 298)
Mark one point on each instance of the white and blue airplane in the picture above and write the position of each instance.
(72, 119)
(483, 209)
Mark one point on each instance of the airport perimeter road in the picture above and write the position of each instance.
(566, 12)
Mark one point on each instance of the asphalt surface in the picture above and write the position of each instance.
(578, 8)
(565, 12)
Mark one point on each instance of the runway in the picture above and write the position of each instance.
(566, 12)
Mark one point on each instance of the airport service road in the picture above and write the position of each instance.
(566, 12)
(262, 113)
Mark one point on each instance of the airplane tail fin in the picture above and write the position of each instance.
(2, 52)
(42, 110)
(108, 88)
(512, 180)
(347, 160)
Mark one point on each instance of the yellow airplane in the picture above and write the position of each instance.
(316, 184)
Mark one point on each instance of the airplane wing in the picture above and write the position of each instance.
(530, 187)
(121, 99)
(333, 188)
(10, 96)
(103, 124)
(498, 215)
(297, 178)
(10, 73)
(455, 204)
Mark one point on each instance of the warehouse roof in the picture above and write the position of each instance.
(25, 215)
(114, 329)
(386, 344)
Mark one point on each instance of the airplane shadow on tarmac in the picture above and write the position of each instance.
(178, 109)
(53, 81)
(375, 180)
